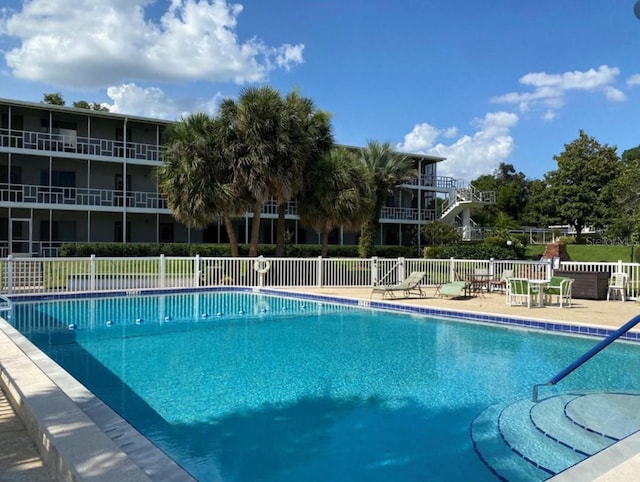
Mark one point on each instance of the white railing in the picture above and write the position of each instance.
(66, 140)
(20, 275)
(80, 196)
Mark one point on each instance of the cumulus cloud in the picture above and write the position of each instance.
(469, 156)
(153, 102)
(105, 42)
(549, 90)
(634, 80)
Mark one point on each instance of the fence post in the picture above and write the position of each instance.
(452, 269)
(492, 268)
(374, 271)
(401, 269)
(196, 270)
(319, 271)
(92, 273)
(10, 274)
(619, 266)
(163, 281)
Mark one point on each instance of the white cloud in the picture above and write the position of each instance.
(104, 42)
(549, 90)
(470, 155)
(153, 102)
(634, 80)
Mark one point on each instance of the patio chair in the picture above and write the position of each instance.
(411, 285)
(561, 287)
(455, 289)
(618, 285)
(520, 292)
(501, 284)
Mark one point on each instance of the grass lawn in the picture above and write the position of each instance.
(590, 252)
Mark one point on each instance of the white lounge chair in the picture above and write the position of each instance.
(618, 285)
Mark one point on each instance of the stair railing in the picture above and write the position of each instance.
(587, 356)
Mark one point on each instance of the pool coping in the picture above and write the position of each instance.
(119, 452)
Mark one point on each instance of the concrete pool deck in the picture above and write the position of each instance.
(22, 381)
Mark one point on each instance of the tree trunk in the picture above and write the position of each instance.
(231, 234)
(255, 229)
(324, 249)
(281, 228)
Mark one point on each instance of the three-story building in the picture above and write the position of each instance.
(78, 175)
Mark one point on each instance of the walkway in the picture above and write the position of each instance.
(19, 459)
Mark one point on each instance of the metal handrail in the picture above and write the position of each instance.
(5, 303)
(588, 355)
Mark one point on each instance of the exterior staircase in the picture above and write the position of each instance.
(529, 441)
(457, 206)
(465, 198)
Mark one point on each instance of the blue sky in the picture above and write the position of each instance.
(477, 82)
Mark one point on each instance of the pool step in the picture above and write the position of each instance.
(522, 440)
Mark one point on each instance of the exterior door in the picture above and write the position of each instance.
(20, 236)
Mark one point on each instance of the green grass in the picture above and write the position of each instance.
(591, 253)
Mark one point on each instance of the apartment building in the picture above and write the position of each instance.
(77, 175)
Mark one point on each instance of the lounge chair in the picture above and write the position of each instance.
(455, 289)
(410, 286)
(561, 287)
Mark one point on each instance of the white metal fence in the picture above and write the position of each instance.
(55, 275)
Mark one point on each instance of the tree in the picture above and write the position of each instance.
(335, 194)
(195, 176)
(253, 143)
(83, 104)
(511, 190)
(385, 171)
(53, 99)
(624, 214)
(439, 233)
(306, 135)
(577, 189)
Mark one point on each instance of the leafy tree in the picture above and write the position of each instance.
(625, 192)
(511, 189)
(83, 104)
(335, 194)
(577, 189)
(385, 170)
(196, 177)
(53, 99)
(439, 233)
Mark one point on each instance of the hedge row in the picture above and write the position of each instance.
(219, 250)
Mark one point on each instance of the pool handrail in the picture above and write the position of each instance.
(5, 303)
(588, 355)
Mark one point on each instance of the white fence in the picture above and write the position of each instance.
(56, 275)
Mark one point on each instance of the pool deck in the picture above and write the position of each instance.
(22, 460)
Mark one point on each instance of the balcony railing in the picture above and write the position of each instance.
(66, 141)
(79, 196)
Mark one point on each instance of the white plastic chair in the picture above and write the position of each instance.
(618, 284)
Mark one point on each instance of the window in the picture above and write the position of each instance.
(16, 174)
(58, 178)
(166, 233)
(60, 231)
(117, 234)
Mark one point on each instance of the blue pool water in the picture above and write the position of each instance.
(248, 387)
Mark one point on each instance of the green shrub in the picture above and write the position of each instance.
(120, 250)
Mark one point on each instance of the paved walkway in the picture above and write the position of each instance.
(19, 459)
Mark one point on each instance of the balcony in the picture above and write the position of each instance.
(78, 196)
(66, 141)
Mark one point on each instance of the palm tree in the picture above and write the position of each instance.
(386, 170)
(253, 143)
(336, 193)
(306, 134)
(195, 177)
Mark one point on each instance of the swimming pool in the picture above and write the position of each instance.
(244, 386)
